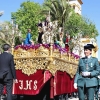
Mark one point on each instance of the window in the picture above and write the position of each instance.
(73, 6)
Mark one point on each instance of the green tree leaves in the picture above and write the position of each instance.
(27, 17)
(59, 10)
(78, 24)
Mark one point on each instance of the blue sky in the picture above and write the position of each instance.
(90, 9)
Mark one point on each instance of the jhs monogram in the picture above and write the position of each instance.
(27, 85)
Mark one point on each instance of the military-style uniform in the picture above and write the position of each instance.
(87, 83)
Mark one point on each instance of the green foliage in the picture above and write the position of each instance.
(30, 13)
(59, 10)
(18, 40)
(88, 28)
(77, 24)
(7, 36)
(27, 17)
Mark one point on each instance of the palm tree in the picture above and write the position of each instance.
(59, 10)
(6, 34)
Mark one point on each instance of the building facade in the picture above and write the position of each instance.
(79, 50)
(76, 5)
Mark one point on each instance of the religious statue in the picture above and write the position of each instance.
(67, 40)
(28, 39)
(60, 39)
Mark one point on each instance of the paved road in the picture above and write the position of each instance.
(21, 98)
(74, 99)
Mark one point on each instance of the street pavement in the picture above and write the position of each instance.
(74, 99)
(14, 98)
(21, 98)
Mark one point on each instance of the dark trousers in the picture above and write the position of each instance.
(89, 91)
(8, 84)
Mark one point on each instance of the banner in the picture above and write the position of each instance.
(30, 85)
(61, 83)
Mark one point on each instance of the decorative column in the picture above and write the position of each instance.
(12, 48)
(51, 49)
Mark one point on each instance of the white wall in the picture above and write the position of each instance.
(77, 7)
(81, 44)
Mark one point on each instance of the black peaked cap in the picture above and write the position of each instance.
(89, 46)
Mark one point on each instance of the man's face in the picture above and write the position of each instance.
(66, 34)
(87, 52)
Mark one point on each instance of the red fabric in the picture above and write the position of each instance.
(58, 79)
(69, 83)
(4, 90)
(63, 84)
(66, 45)
(37, 81)
(52, 88)
(67, 39)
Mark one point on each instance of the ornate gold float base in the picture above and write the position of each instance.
(29, 61)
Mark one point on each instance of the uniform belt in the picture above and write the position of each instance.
(86, 76)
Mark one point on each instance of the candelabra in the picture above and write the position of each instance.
(13, 32)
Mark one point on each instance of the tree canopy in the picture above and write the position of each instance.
(8, 35)
(28, 16)
(72, 23)
(59, 10)
(78, 24)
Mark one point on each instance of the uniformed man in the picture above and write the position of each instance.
(86, 77)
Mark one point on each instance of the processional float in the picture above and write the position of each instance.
(46, 62)
(39, 63)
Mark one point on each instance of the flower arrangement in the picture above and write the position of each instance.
(55, 46)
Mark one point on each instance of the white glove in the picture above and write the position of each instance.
(75, 85)
(86, 73)
(99, 76)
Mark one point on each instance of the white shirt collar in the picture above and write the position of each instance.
(89, 56)
(6, 51)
